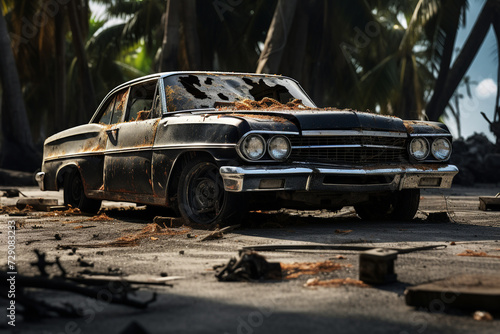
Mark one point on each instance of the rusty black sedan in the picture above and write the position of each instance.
(214, 145)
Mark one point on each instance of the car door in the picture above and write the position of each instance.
(127, 163)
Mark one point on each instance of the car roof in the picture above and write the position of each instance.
(167, 74)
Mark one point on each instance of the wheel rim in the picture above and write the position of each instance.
(204, 194)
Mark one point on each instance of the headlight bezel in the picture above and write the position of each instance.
(288, 143)
(433, 150)
(427, 144)
(243, 151)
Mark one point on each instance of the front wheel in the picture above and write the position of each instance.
(202, 198)
(400, 205)
(74, 194)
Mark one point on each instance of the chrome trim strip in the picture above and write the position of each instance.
(350, 146)
(272, 132)
(126, 150)
(354, 133)
(196, 145)
(431, 135)
(270, 170)
(243, 178)
(74, 155)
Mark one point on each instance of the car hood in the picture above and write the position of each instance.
(316, 120)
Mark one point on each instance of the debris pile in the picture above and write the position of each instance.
(249, 267)
(35, 308)
(475, 160)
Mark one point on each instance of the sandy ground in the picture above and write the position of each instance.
(198, 303)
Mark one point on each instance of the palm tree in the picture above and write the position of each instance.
(18, 151)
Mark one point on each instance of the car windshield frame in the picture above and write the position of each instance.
(200, 91)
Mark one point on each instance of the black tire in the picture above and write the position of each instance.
(74, 194)
(377, 208)
(201, 196)
(401, 205)
(405, 204)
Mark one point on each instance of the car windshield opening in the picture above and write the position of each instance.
(203, 91)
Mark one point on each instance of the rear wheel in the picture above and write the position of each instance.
(74, 194)
(400, 205)
(202, 198)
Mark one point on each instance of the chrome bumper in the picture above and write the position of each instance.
(40, 177)
(319, 178)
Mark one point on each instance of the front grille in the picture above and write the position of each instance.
(319, 149)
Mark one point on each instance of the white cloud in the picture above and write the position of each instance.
(486, 88)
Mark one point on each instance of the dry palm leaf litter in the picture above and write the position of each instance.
(469, 252)
(335, 283)
(294, 270)
(151, 230)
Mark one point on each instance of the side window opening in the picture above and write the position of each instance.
(141, 101)
(120, 104)
(108, 112)
(157, 111)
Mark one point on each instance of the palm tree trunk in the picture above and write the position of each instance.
(18, 151)
(169, 48)
(78, 43)
(277, 36)
(59, 121)
(463, 61)
(191, 34)
(496, 26)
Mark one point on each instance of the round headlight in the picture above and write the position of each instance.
(441, 149)
(279, 147)
(419, 148)
(253, 147)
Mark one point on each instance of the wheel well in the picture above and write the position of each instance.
(176, 170)
(62, 172)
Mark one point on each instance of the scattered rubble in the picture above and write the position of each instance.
(36, 203)
(249, 267)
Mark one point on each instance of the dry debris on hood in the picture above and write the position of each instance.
(266, 103)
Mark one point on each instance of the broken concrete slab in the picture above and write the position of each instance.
(39, 204)
(376, 266)
(474, 292)
(169, 221)
(489, 203)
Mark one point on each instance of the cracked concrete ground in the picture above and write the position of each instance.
(198, 303)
